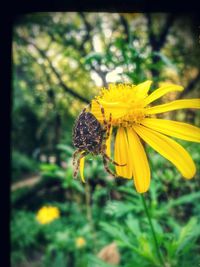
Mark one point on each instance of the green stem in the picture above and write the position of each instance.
(152, 231)
(89, 214)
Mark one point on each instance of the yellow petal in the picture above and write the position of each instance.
(142, 89)
(117, 109)
(121, 154)
(108, 143)
(140, 165)
(174, 128)
(162, 91)
(177, 104)
(169, 149)
(82, 162)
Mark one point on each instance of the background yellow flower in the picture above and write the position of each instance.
(80, 242)
(47, 214)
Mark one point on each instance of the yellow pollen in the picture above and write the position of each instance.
(123, 101)
(134, 117)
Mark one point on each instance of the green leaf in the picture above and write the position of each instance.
(133, 225)
(118, 209)
(96, 262)
(166, 60)
(68, 149)
(183, 199)
(93, 56)
(188, 232)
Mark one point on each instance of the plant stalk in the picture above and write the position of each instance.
(152, 231)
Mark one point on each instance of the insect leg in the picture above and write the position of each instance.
(112, 161)
(78, 163)
(74, 155)
(108, 128)
(106, 167)
(102, 112)
(85, 108)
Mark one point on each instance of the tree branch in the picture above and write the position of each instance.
(152, 39)
(163, 35)
(125, 26)
(62, 84)
(157, 42)
(88, 27)
(191, 85)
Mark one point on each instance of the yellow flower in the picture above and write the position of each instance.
(135, 120)
(80, 242)
(47, 214)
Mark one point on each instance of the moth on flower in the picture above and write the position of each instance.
(134, 118)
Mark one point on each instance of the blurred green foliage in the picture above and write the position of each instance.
(110, 211)
(22, 165)
(59, 62)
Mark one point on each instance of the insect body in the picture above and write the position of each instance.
(89, 136)
(88, 133)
